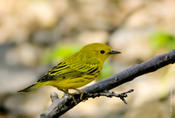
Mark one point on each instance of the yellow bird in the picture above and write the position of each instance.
(77, 70)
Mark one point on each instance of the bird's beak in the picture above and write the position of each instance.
(114, 52)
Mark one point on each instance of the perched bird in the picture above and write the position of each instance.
(77, 70)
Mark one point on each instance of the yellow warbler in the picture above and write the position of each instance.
(76, 71)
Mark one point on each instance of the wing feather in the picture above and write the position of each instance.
(64, 70)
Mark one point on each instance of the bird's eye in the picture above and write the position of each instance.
(102, 51)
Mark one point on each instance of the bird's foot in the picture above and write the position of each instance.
(81, 92)
(66, 91)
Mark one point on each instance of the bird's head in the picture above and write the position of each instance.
(98, 50)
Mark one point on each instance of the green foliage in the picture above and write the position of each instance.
(162, 40)
(60, 52)
(107, 70)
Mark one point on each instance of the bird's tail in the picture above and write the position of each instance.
(30, 88)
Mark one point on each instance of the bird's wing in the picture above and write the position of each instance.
(64, 70)
(88, 68)
(55, 72)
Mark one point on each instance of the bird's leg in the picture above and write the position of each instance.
(66, 91)
(82, 92)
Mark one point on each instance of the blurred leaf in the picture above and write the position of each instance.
(107, 70)
(162, 40)
(59, 52)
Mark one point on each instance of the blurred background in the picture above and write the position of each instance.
(36, 34)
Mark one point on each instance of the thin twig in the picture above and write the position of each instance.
(54, 96)
(107, 93)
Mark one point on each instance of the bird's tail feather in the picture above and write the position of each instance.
(30, 88)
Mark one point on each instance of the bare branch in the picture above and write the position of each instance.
(54, 96)
(62, 105)
(122, 96)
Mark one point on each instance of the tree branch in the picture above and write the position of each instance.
(62, 105)
(106, 93)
